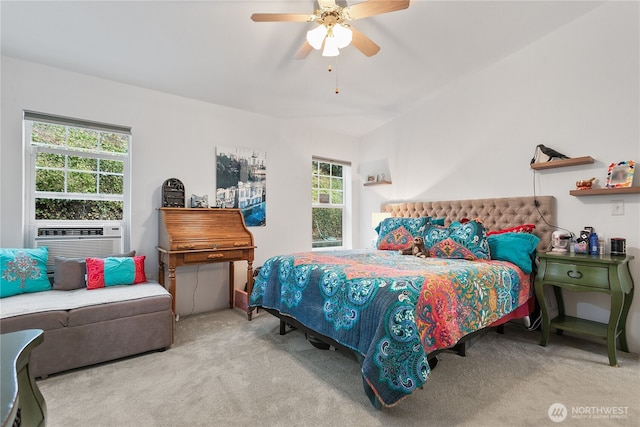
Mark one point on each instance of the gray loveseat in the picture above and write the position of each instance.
(83, 327)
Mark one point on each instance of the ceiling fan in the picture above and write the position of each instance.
(334, 30)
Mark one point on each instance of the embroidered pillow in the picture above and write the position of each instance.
(23, 270)
(70, 273)
(517, 248)
(460, 240)
(113, 271)
(398, 233)
(523, 228)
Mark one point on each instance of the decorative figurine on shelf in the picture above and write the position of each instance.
(173, 193)
(585, 184)
(199, 201)
(550, 154)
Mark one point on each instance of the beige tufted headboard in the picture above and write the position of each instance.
(495, 214)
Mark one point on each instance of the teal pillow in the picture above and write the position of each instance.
(518, 248)
(23, 270)
(458, 241)
(437, 221)
(398, 233)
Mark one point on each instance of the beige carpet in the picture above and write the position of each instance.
(226, 371)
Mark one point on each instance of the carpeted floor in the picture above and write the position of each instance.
(226, 371)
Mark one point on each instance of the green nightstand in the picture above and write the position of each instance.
(587, 273)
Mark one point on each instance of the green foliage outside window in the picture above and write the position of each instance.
(79, 173)
(327, 197)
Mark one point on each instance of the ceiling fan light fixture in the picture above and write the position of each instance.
(330, 47)
(316, 36)
(343, 35)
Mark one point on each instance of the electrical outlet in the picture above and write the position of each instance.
(617, 207)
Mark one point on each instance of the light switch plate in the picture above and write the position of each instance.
(617, 207)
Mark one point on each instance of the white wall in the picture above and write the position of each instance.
(576, 90)
(173, 137)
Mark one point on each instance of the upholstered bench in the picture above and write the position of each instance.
(84, 326)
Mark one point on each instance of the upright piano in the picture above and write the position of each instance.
(190, 236)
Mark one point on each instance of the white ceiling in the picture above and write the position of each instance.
(212, 51)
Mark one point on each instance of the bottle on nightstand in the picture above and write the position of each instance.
(594, 248)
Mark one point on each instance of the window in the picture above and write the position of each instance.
(329, 203)
(78, 170)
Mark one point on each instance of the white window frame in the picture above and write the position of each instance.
(346, 205)
(31, 151)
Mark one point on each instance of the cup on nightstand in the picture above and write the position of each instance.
(618, 246)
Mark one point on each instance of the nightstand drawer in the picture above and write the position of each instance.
(584, 275)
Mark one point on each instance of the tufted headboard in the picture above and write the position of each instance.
(495, 214)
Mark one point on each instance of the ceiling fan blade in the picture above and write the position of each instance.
(376, 7)
(304, 50)
(280, 17)
(363, 43)
(327, 3)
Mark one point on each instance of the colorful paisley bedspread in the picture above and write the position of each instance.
(390, 308)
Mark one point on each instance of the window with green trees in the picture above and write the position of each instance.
(328, 203)
(79, 169)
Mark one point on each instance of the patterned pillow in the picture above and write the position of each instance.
(23, 270)
(113, 271)
(398, 233)
(463, 241)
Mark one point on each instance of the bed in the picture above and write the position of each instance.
(396, 311)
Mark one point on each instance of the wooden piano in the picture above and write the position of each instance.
(190, 236)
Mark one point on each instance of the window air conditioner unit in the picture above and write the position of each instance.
(78, 241)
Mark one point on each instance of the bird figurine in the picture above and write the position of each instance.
(553, 154)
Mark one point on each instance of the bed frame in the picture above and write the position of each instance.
(495, 214)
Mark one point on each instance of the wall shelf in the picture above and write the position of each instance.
(383, 182)
(603, 191)
(563, 162)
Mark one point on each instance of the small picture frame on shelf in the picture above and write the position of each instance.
(620, 175)
(372, 178)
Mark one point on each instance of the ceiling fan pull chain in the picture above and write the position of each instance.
(337, 89)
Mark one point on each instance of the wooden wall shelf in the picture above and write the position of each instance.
(585, 160)
(384, 182)
(603, 191)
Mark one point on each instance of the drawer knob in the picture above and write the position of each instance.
(574, 274)
(214, 256)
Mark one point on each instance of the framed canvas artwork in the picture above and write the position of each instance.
(241, 176)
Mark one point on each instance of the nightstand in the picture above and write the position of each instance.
(587, 273)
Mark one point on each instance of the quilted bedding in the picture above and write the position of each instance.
(391, 309)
